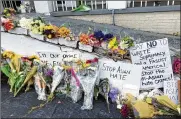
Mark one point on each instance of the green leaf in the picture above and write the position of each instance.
(6, 70)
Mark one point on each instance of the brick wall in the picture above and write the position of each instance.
(159, 22)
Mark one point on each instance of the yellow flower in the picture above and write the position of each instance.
(34, 57)
(8, 14)
(121, 52)
(63, 32)
(112, 43)
(49, 36)
(8, 54)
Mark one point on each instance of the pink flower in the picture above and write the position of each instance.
(176, 66)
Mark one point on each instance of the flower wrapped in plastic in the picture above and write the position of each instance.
(87, 77)
(58, 75)
(76, 91)
(39, 83)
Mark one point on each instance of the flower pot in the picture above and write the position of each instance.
(69, 43)
(85, 47)
(37, 36)
(53, 40)
(2, 29)
(19, 30)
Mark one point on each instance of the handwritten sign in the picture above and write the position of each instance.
(171, 90)
(56, 58)
(50, 58)
(154, 57)
(70, 56)
(123, 76)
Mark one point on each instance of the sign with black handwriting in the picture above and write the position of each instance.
(56, 58)
(171, 90)
(123, 76)
(154, 57)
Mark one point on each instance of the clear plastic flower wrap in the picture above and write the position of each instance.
(58, 75)
(76, 92)
(39, 82)
(40, 87)
(87, 79)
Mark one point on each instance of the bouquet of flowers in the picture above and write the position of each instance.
(8, 24)
(8, 12)
(87, 75)
(119, 50)
(50, 31)
(37, 25)
(64, 32)
(19, 71)
(176, 65)
(25, 23)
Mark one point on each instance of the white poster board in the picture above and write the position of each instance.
(154, 56)
(126, 77)
(56, 58)
(171, 90)
(117, 4)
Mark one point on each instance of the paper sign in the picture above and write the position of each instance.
(123, 76)
(154, 57)
(50, 58)
(70, 56)
(56, 58)
(171, 90)
(178, 89)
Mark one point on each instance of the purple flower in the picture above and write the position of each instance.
(107, 37)
(113, 94)
(98, 35)
(49, 72)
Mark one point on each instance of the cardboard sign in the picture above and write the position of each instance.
(154, 57)
(123, 76)
(171, 90)
(56, 58)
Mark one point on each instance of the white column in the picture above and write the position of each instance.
(43, 6)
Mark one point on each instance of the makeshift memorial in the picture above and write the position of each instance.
(8, 12)
(154, 57)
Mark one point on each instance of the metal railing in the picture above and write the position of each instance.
(11, 4)
(15, 4)
(98, 4)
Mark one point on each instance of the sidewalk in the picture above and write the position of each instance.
(19, 106)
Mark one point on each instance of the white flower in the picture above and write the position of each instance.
(25, 23)
(123, 45)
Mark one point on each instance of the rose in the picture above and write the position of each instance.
(176, 66)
